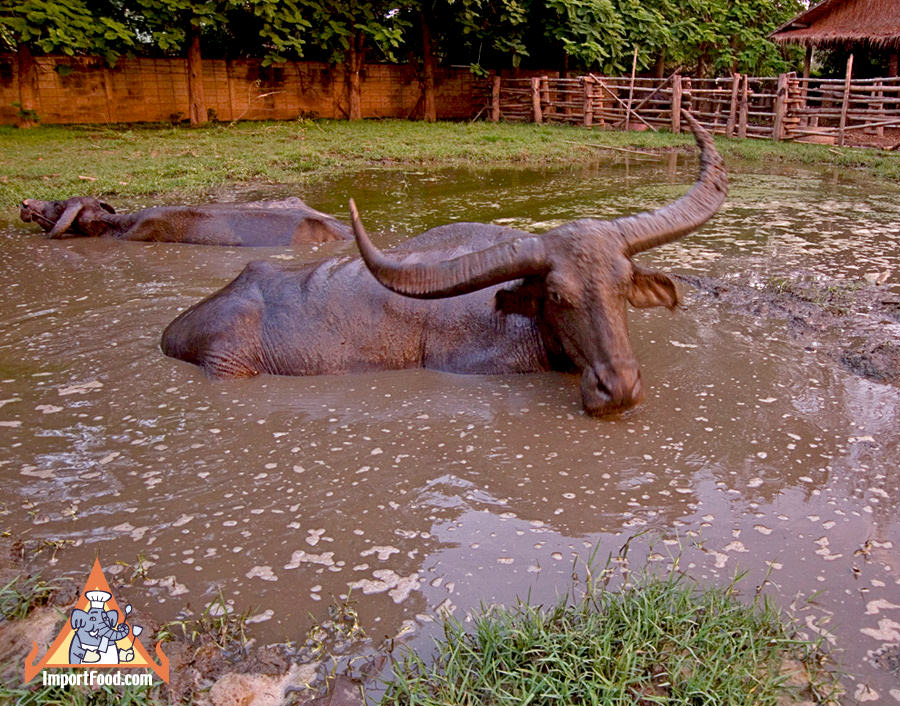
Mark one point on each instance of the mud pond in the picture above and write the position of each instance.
(763, 445)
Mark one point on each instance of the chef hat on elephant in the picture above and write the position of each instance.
(97, 598)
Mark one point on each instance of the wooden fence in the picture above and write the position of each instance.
(782, 107)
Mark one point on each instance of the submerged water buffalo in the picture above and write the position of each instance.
(257, 223)
(463, 298)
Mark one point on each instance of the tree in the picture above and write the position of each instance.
(347, 29)
(715, 37)
(177, 24)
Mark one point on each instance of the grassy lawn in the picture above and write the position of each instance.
(59, 162)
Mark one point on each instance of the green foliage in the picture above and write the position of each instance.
(344, 25)
(284, 28)
(168, 21)
(718, 37)
(72, 27)
(704, 37)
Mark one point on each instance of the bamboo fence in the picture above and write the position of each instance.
(781, 107)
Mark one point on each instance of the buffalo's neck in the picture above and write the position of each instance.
(467, 335)
(105, 225)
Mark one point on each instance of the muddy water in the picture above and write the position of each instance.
(421, 492)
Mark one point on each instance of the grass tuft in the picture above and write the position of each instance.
(658, 641)
(22, 594)
(219, 626)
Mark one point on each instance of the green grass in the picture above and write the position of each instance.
(57, 162)
(662, 641)
(22, 594)
(217, 626)
(39, 695)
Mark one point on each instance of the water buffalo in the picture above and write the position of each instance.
(252, 224)
(463, 298)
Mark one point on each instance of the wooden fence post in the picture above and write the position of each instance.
(731, 125)
(744, 108)
(495, 100)
(599, 100)
(545, 97)
(587, 85)
(676, 104)
(878, 92)
(631, 91)
(845, 104)
(780, 100)
(536, 99)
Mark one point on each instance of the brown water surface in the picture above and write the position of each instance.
(426, 492)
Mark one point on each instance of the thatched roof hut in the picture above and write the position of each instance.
(844, 22)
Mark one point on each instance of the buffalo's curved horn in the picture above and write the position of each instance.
(66, 219)
(449, 278)
(643, 231)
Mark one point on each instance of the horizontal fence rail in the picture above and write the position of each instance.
(781, 107)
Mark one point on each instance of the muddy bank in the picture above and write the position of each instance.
(851, 322)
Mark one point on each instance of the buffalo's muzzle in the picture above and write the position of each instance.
(606, 390)
(25, 212)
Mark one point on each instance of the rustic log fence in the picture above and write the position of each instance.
(781, 107)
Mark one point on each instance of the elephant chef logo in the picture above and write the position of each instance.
(99, 635)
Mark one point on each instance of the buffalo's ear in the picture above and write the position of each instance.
(652, 289)
(523, 299)
(106, 207)
(79, 619)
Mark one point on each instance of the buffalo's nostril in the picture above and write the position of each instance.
(607, 390)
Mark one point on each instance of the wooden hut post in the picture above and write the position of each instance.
(536, 99)
(845, 104)
(495, 100)
(676, 104)
(587, 86)
(744, 108)
(780, 101)
(731, 126)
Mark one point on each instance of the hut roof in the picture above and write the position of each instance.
(833, 22)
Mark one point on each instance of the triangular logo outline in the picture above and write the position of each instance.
(58, 654)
